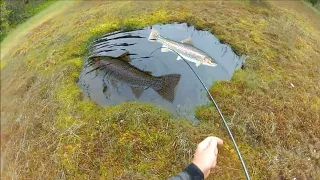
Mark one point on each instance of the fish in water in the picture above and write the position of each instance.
(185, 49)
(137, 79)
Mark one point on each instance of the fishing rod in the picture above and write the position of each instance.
(224, 122)
(222, 117)
(220, 113)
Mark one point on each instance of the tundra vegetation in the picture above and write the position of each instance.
(272, 105)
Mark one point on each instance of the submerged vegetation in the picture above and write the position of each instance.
(49, 130)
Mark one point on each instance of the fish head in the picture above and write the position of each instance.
(209, 61)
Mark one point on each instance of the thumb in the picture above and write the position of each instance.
(204, 144)
(219, 141)
(214, 143)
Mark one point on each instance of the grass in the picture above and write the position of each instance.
(15, 35)
(19, 12)
(302, 8)
(314, 8)
(48, 129)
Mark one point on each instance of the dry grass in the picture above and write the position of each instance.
(49, 131)
(302, 7)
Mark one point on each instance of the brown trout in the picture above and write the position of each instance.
(136, 78)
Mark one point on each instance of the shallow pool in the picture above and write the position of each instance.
(108, 90)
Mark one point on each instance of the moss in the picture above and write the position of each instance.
(206, 113)
(59, 132)
(68, 95)
(128, 132)
(3, 64)
(103, 28)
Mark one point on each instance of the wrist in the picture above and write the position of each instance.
(194, 172)
(203, 169)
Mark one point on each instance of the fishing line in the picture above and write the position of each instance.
(222, 117)
(224, 69)
(224, 121)
(155, 50)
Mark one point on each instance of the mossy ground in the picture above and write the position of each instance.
(49, 131)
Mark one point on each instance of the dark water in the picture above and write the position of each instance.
(189, 93)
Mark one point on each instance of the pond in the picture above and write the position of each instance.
(136, 76)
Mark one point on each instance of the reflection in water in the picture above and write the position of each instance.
(107, 88)
(116, 69)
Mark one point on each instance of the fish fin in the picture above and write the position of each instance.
(187, 41)
(105, 88)
(124, 57)
(92, 60)
(164, 49)
(169, 82)
(179, 58)
(198, 63)
(94, 69)
(137, 91)
(148, 72)
(154, 35)
(212, 64)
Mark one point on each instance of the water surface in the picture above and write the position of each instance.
(189, 92)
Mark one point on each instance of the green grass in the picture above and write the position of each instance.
(49, 130)
(316, 9)
(15, 36)
(3, 64)
(39, 7)
(20, 12)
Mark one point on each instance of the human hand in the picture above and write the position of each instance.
(205, 157)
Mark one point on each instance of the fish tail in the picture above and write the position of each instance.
(154, 35)
(169, 82)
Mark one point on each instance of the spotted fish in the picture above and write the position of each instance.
(137, 79)
(185, 49)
